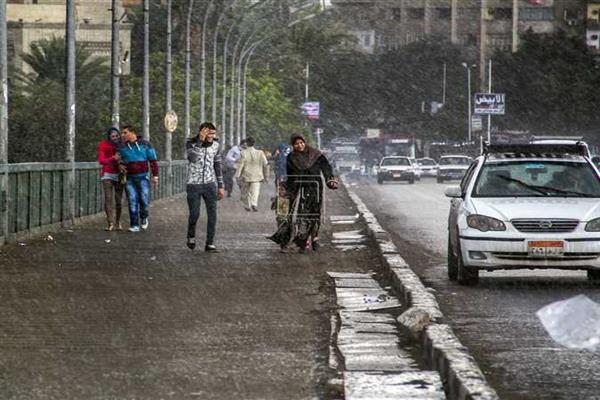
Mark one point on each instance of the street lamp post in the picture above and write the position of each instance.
(3, 125)
(188, 53)
(115, 64)
(469, 122)
(169, 95)
(146, 93)
(70, 111)
(207, 13)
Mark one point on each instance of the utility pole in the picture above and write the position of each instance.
(115, 65)
(3, 125)
(188, 55)
(489, 127)
(169, 96)
(515, 26)
(307, 77)
(70, 112)
(482, 43)
(146, 94)
(444, 85)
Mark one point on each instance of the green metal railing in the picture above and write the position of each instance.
(37, 193)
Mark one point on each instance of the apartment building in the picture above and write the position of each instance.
(32, 20)
(380, 25)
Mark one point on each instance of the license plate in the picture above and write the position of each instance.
(397, 175)
(545, 248)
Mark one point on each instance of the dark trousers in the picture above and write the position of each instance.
(195, 194)
(228, 179)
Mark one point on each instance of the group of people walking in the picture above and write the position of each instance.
(130, 163)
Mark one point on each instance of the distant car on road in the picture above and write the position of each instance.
(452, 167)
(396, 168)
(428, 167)
(347, 163)
(525, 206)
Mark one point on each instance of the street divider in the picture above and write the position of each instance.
(462, 377)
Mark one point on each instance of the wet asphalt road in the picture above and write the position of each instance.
(101, 315)
(495, 319)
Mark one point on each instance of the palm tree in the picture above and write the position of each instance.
(46, 60)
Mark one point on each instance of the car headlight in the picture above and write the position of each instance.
(484, 223)
(593, 225)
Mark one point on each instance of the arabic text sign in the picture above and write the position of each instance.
(311, 109)
(490, 103)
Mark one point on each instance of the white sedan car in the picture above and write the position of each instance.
(452, 167)
(395, 168)
(428, 166)
(525, 206)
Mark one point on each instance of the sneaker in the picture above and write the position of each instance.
(110, 228)
(191, 243)
(247, 209)
(134, 229)
(119, 227)
(145, 223)
(211, 248)
(254, 208)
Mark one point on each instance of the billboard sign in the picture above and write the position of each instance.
(490, 103)
(311, 109)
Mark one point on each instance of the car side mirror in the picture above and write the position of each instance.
(453, 192)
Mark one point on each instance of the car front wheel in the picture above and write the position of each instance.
(452, 264)
(465, 276)
(593, 275)
(380, 180)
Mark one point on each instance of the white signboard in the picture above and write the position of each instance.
(311, 109)
(490, 103)
(476, 123)
(373, 133)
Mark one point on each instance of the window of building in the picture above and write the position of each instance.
(536, 14)
(366, 39)
(500, 13)
(416, 13)
(396, 14)
(443, 13)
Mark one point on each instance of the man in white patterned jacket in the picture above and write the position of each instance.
(204, 181)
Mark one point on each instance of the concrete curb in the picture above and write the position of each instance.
(462, 377)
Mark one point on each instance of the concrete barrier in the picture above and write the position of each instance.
(462, 377)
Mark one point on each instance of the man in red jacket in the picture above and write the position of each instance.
(113, 189)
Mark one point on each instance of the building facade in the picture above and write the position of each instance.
(32, 20)
(381, 25)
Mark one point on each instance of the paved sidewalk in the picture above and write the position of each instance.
(143, 317)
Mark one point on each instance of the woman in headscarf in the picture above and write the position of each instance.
(305, 166)
(109, 158)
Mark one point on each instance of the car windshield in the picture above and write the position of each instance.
(537, 178)
(455, 161)
(395, 161)
(426, 162)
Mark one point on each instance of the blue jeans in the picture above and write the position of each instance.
(195, 194)
(138, 194)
